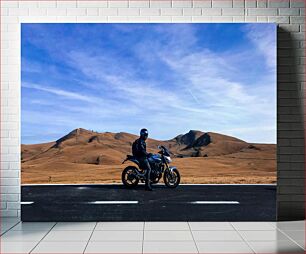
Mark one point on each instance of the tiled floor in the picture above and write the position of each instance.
(152, 237)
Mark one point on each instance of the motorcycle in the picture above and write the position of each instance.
(159, 163)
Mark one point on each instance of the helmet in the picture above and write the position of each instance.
(144, 134)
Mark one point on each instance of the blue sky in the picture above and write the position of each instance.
(169, 78)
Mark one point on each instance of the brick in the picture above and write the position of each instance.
(91, 4)
(278, 3)
(262, 3)
(57, 12)
(10, 197)
(279, 20)
(139, 4)
(118, 4)
(13, 205)
(9, 173)
(250, 19)
(47, 4)
(138, 19)
(171, 11)
(28, 4)
(289, 28)
(3, 205)
(202, 3)
(6, 19)
(128, 12)
(9, 4)
(92, 11)
(211, 11)
(18, 12)
(76, 11)
(222, 19)
(297, 3)
(262, 19)
(262, 12)
(291, 150)
(38, 11)
(290, 134)
(239, 19)
(297, 142)
(181, 19)
(10, 189)
(222, 3)
(250, 3)
(192, 11)
(66, 4)
(4, 11)
(181, 3)
(150, 12)
(291, 198)
(238, 3)
(160, 19)
(9, 213)
(117, 19)
(289, 11)
(201, 19)
(234, 12)
(290, 182)
(297, 20)
(9, 181)
(108, 11)
(160, 4)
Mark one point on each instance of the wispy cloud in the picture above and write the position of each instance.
(168, 78)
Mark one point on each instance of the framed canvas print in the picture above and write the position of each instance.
(154, 122)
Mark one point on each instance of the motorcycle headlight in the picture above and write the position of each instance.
(168, 159)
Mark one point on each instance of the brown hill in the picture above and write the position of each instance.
(86, 152)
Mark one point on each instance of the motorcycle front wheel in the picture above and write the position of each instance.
(172, 180)
(129, 177)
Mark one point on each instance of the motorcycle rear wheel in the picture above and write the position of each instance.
(129, 177)
(172, 181)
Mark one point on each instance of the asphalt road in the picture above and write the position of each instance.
(116, 203)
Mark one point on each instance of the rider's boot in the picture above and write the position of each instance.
(148, 186)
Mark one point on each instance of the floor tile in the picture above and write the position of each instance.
(23, 236)
(291, 225)
(273, 235)
(216, 236)
(221, 226)
(114, 247)
(17, 247)
(99, 236)
(33, 226)
(69, 236)
(170, 247)
(166, 226)
(296, 235)
(60, 247)
(224, 247)
(5, 226)
(253, 226)
(167, 235)
(120, 226)
(63, 226)
(276, 247)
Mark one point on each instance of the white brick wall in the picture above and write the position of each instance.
(288, 13)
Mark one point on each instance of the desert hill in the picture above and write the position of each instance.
(96, 155)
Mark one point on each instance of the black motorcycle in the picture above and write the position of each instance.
(131, 175)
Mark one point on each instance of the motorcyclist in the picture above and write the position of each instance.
(139, 149)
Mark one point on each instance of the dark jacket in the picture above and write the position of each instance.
(139, 149)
